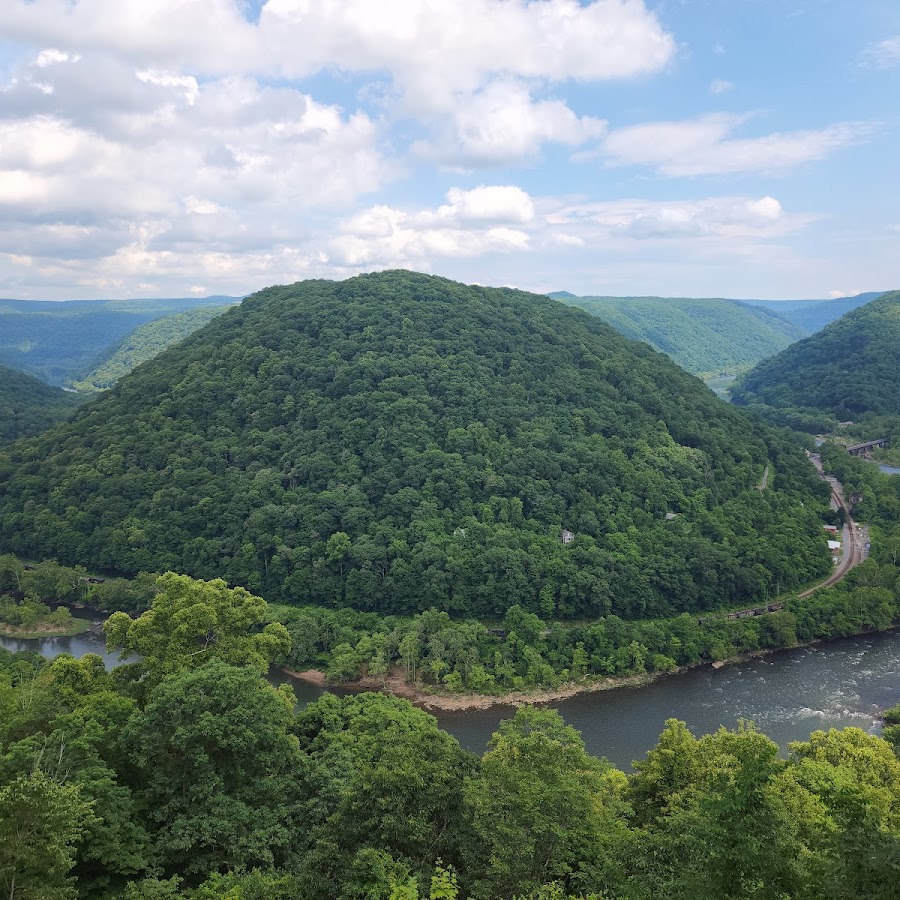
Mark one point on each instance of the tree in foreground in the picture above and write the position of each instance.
(218, 770)
(543, 809)
(191, 622)
(385, 795)
(41, 821)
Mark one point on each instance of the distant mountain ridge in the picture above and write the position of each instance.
(849, 368)
(813, 315)
(715, 334)
(59, 342)
(145, 342)
(703, 335)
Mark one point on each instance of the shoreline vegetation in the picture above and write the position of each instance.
(449, 663)
(25, 615)
(427, 697)
(44, 630)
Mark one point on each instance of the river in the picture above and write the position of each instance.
(890, 470)
(788, 694)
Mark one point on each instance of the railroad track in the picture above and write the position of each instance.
(855, 540)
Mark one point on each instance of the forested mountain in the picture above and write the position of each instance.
(704, 336)
(813, 315)
(397, 441)
(61, 341)
(28, 406)
(849, 368)
(144, 343)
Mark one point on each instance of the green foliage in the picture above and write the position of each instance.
(28, 406)
(191, 622)
(144, 343)
(702, 336)
(396, 442)
(211, 786)
(218, 769)
(386, 780)
(876, 498)
(28, 616)
(848, 369)
(40, 822)
(433, 649)
(542, 808)
(82, 749)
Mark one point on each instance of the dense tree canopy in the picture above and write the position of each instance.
(191, 622)
(209, 786)
(28, 406)
(397, 441)
(849, 368)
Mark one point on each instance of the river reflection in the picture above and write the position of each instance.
(787, 694)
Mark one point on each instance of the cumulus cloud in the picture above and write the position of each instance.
(495, 221)
(158, 148)
(485, 220)
(702, 146)
(502, 124)
(164, 136)
(439, 57)
(455, 41)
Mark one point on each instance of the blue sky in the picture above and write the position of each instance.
(745, 148)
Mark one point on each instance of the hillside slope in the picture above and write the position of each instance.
(704, 336)
(144, 343)
(849, 368)
(59, 342)
(398, 441)
(28, 406)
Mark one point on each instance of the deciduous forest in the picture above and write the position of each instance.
(398, 442)
(185, 775)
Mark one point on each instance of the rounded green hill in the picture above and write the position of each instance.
(399, 441)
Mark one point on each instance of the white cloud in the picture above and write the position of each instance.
(459, 41)
(701, 146)
(884, 54)
(159, 148)
(713, 217)
(502, 124)
(160, 137)
(494, 221)
(187, 83)
(507, 204)
(475, 63)
(720, 86)
(482, 221)
(53, 57)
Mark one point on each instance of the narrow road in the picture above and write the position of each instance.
(855, 537)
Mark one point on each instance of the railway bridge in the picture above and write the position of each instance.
(864, 448)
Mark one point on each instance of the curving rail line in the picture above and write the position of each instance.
(856, 537)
